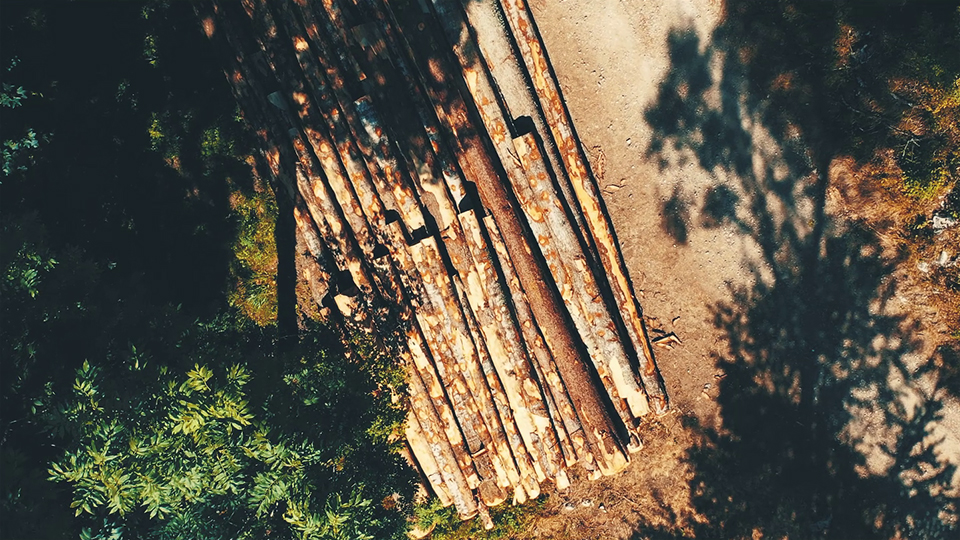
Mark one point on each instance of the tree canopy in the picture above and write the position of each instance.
(147, 389)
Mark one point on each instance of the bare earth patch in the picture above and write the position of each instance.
(715, 216)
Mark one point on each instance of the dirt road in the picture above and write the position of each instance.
(794, 366)
(610, 57)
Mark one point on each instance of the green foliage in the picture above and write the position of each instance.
(254, 268)
(161, 139)
(12, 96)
(214, 143)
(510, 521)
(126, 373)
(16, 151)
(24, 269)
(929, 162)
(928, 82)
(164, 458)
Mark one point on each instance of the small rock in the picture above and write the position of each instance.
(568, 506)
(939, 223)
(707, 386)
(944, 259)
(586, 503)
(602, 508)
(629, 142)
(923, 266)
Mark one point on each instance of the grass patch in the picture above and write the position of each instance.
(254, 268)
(511, 522)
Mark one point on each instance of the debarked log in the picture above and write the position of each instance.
(600, 429)
(584, 186)
(435, 420)
(458, 365)
(545, 215)
(524, 386)
(566, 415)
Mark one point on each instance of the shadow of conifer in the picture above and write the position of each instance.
(829, 412)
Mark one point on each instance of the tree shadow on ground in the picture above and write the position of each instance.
(675, 215)
(828, 411)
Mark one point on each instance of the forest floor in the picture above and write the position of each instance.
(703, 247)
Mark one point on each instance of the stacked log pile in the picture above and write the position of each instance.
(431, 165)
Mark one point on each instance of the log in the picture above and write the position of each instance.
(545, 214)
(524, 472)
(313, 120)
(438, 427)
(318, 276)
(327, 80)
(422, 454)
(245, 78)
(372, 138)
(584, 186)
(515, 367)
(555, 395)
(537, 344)
(361, 156)
(472, 156)
(498, 55)
(335, 107)
(472, 402)
(426, 161)
(329, 185)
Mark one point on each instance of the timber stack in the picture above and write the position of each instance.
(431, 166)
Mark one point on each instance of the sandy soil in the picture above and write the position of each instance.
(692, 235)
(610, 57)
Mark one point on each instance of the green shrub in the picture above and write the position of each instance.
(510, 521)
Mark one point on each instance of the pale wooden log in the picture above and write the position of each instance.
(514, 450)
(312, 122)
(523, 384)
(533, 352)
(419, 454)
(322, 208)
(335, 234)
(325, 77)
(453, 390)
(499, 57)
(464, 378)
(430, 163)
(545, 216)
(437, 425)
(372, 172)
(329, 186)
(423, 454)
(561, 129)
(536, 342)
(472, 155)
(318, 276)
(525, 473)
(526, 446)
(372, 136)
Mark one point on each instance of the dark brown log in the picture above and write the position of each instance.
(584, 185)
(472, 155)
(536, 343)
(545, 215)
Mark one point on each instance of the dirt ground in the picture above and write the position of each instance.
(713, 251)
(610, 57)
